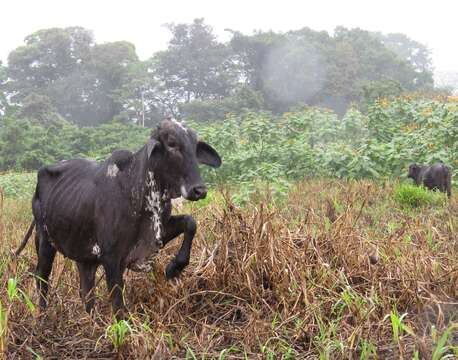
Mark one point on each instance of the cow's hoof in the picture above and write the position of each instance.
(89, 307)
(120, 313)
(172, 270)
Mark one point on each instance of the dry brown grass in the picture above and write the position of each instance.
(316, 275)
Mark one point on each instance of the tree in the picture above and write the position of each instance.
(363, 66)
(251, 53)
(139, 96)
(80, 78)
(286, 69)
(39, 108)
(109, 72)
(417, 54)
(313, 68)
(294, 70)
(414, 53)
(195, 66)
(3, 78)
(47, 56)
(52, 64)
(64, 72)
(244, 99)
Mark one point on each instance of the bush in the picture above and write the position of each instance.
(260, 147)
(18, 185)
(26, 145)
(415, 196)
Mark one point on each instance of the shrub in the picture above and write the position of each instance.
(260, 147)
(18, 185)
(415, 196)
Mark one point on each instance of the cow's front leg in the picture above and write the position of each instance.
(174, 227)
(115, 284)
(87, 280)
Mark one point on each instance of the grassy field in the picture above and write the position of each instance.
(340, 270)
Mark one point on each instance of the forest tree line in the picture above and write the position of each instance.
(63, 74)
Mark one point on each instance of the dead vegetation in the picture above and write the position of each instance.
(328, 273)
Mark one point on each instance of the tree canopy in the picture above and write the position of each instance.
(63, 74)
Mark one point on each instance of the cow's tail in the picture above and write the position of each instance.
(26, 238)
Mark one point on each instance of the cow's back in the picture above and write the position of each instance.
(435, 176)
(67, 179)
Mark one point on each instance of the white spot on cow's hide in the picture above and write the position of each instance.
(154, 206)
(141, 258)
(180, 125)
(96, 250)
(112, 170)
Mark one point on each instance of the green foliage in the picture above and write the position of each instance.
(404, 47)
(34, 353)
(15, 293)
(117, 333)
(398, 326)
(368, 350)
(444, 345)
(27, 145)
(244, 99)
(312, 142)
(415, 196)
(3, 99)
(260, 150)
(195, 65)
(3, 327)
(316, 68)
(18, 185)
(63, 73)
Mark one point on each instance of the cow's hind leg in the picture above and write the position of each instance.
(448, 185)
(87, 280)
(46, 253)
(175, 226)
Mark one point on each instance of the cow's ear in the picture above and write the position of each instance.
(207, 155)
(151, 145)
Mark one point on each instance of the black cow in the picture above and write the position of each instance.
(435, 177)
(118, 213)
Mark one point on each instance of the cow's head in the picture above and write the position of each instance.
(414, 171)
(175, 152)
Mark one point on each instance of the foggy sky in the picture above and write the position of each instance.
(140, 21)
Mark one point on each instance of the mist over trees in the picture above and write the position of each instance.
(64, 75)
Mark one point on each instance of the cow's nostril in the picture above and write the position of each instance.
(200, 192)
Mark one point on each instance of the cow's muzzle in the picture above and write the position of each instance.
(196, 192)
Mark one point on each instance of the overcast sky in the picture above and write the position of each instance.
(140, 21)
